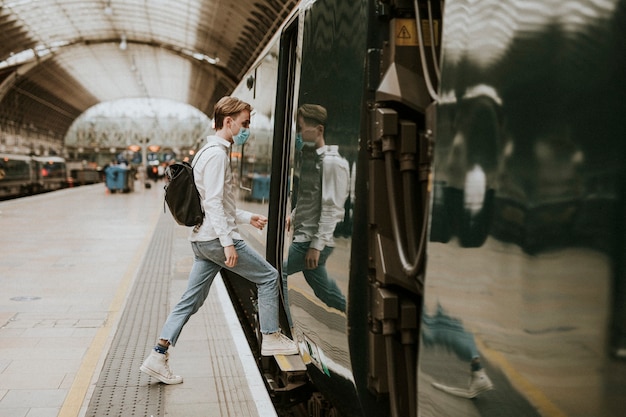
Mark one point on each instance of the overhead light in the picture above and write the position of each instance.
(200, 56)
(123, 44)
(211, 60)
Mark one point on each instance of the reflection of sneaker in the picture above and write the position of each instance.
(278, 344)
(156, 365)
(479, 383)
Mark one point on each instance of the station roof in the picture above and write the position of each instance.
(60, 57)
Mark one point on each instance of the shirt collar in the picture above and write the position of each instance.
(319, 152)
(216, 140)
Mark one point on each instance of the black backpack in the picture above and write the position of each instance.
(182, 196)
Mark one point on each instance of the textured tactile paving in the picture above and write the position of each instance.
(122, 390)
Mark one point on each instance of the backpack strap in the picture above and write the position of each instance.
(195, 160)
(197, 156)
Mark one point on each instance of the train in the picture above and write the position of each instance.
(23, 175)
(475, 255)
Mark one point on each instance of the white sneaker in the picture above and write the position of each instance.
(278, 344)
(479, 383)
(156, 365)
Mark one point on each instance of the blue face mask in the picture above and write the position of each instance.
(299, 142)
(241, 137)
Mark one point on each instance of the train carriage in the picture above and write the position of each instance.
(22, 175)
(17, 175)
(51, 172)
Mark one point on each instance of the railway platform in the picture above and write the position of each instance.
(87, 281)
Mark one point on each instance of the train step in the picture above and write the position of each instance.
(290, 363)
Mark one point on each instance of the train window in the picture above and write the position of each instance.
(323, 142)
(14, 169)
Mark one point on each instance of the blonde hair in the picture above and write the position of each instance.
(228, 106)
(313, 114)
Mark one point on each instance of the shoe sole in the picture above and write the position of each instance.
(279, 352)
(461, 392)
(159, 376)
(480, 390)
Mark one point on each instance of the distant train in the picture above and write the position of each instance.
(22, 175)
(478, 267)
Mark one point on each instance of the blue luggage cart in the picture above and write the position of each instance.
(260, 187)
(118, 178)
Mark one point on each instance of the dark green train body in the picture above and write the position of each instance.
(477, 261)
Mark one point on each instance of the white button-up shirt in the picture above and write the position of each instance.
(324, 186)
(214, 180)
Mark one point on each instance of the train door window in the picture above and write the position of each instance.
(324, 142)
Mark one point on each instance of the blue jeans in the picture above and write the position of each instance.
(324, 287)
(208, 261)
(443, 330)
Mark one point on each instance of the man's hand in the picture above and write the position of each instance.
(231, 256)
(258, 221)
(311, 259)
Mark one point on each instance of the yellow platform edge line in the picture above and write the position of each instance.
(532, 393)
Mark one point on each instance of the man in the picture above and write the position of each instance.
(217, 244)
(323, 185)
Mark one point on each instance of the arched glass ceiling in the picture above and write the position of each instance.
(125, 122)
(60, 57)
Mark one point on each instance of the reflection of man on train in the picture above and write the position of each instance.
(322, 185)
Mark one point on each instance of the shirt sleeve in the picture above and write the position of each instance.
(243, 216)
